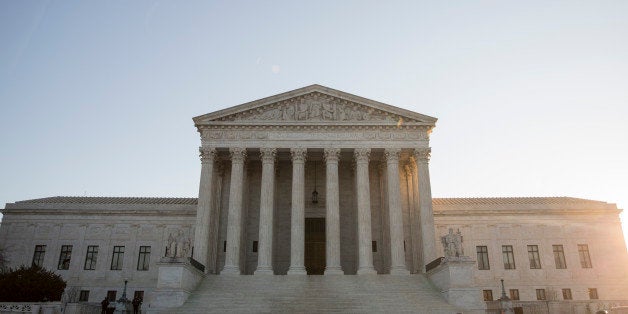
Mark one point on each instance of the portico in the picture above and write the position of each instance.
(261, 162)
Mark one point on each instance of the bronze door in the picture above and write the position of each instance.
(315, 246)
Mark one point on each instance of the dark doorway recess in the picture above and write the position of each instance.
(315, 246)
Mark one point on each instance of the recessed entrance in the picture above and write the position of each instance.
(315, 246)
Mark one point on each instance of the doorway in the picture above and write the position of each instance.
(315, 246)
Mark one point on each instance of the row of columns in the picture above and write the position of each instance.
(332, 222)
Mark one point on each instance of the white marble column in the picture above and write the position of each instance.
(397, 254)
(365, 251)
(332, 215)
(415, 229)
(422, 157)
(265, 252)
(234, 218)
(297, 227)
(203, 210)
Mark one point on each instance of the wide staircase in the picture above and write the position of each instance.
(316, 294)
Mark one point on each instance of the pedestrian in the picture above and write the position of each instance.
(136, 305)
(104, 305)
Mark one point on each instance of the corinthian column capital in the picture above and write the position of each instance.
(422, 155)
(362, 154)
(207, 154)
(298, 154)
(409, 168)
(392, 154)
(268, 154)
(331, 154)
(238, 154)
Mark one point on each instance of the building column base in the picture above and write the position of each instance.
(297, 270)
(264, 270)
(335, 270)
(399, 270)
(367, 271)
(231, 270)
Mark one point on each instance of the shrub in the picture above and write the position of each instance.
(30, 284)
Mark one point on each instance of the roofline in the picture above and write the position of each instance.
(308, 89)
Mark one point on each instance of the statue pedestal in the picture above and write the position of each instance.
(454, 278)
(177, 278)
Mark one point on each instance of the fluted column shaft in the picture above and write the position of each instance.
(422, 157)
(365, 252)
(332, 216)
(297, 228)
(264, 256)
(397, 254)
(415, 224)
(234, 218)
(203, 211)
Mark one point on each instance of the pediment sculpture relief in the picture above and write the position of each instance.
(314, 107)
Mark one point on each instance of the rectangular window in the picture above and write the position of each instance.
(533, 256)
(143, 260)
(540, 294)
(374, 246)
(255, 246)
(224, 246)
(585, 258)
(488, 295)
(514, 294)
(593, 294)
(91, 257)
(84, 296)
(64, 257)
(117, 258)
(139, 295)
(509, 257)
(567, 294)
(483, 258)
(111, 295)
(38, 256)
(559, 256)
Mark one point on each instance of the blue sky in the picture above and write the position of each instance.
(96, 98)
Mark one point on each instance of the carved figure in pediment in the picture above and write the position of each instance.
(302, 111)
(288, 113)
(328, 112)
(171, 246)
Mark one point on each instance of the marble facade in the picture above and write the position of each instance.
(368, 162)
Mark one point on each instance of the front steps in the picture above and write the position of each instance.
(316, 294)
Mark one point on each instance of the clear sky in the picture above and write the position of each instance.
(96, 97)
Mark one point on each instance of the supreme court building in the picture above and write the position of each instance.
(316, 181)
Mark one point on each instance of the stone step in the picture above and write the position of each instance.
(316, 294)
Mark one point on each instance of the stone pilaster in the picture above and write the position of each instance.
(297, 227)
(397, 254)
(422, 157)
(264, 257)
(203, 211)
(332, 220)
(234, 219)
(365, 252)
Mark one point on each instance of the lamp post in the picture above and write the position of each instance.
(122, 305)
(505, 304)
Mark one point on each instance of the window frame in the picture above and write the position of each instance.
(593, 295)
(65, 257)
(541, 295)
(559, 256)
(514, 294)
(567, 294)
(117, 257)
(482, 257)
(533, 257)
(143, 258)
(84, 296)
(585, 256)
(487, 295)
(38, 255)
(92, 257)
(508, 256)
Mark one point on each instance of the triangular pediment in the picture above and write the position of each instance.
(314, 104)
